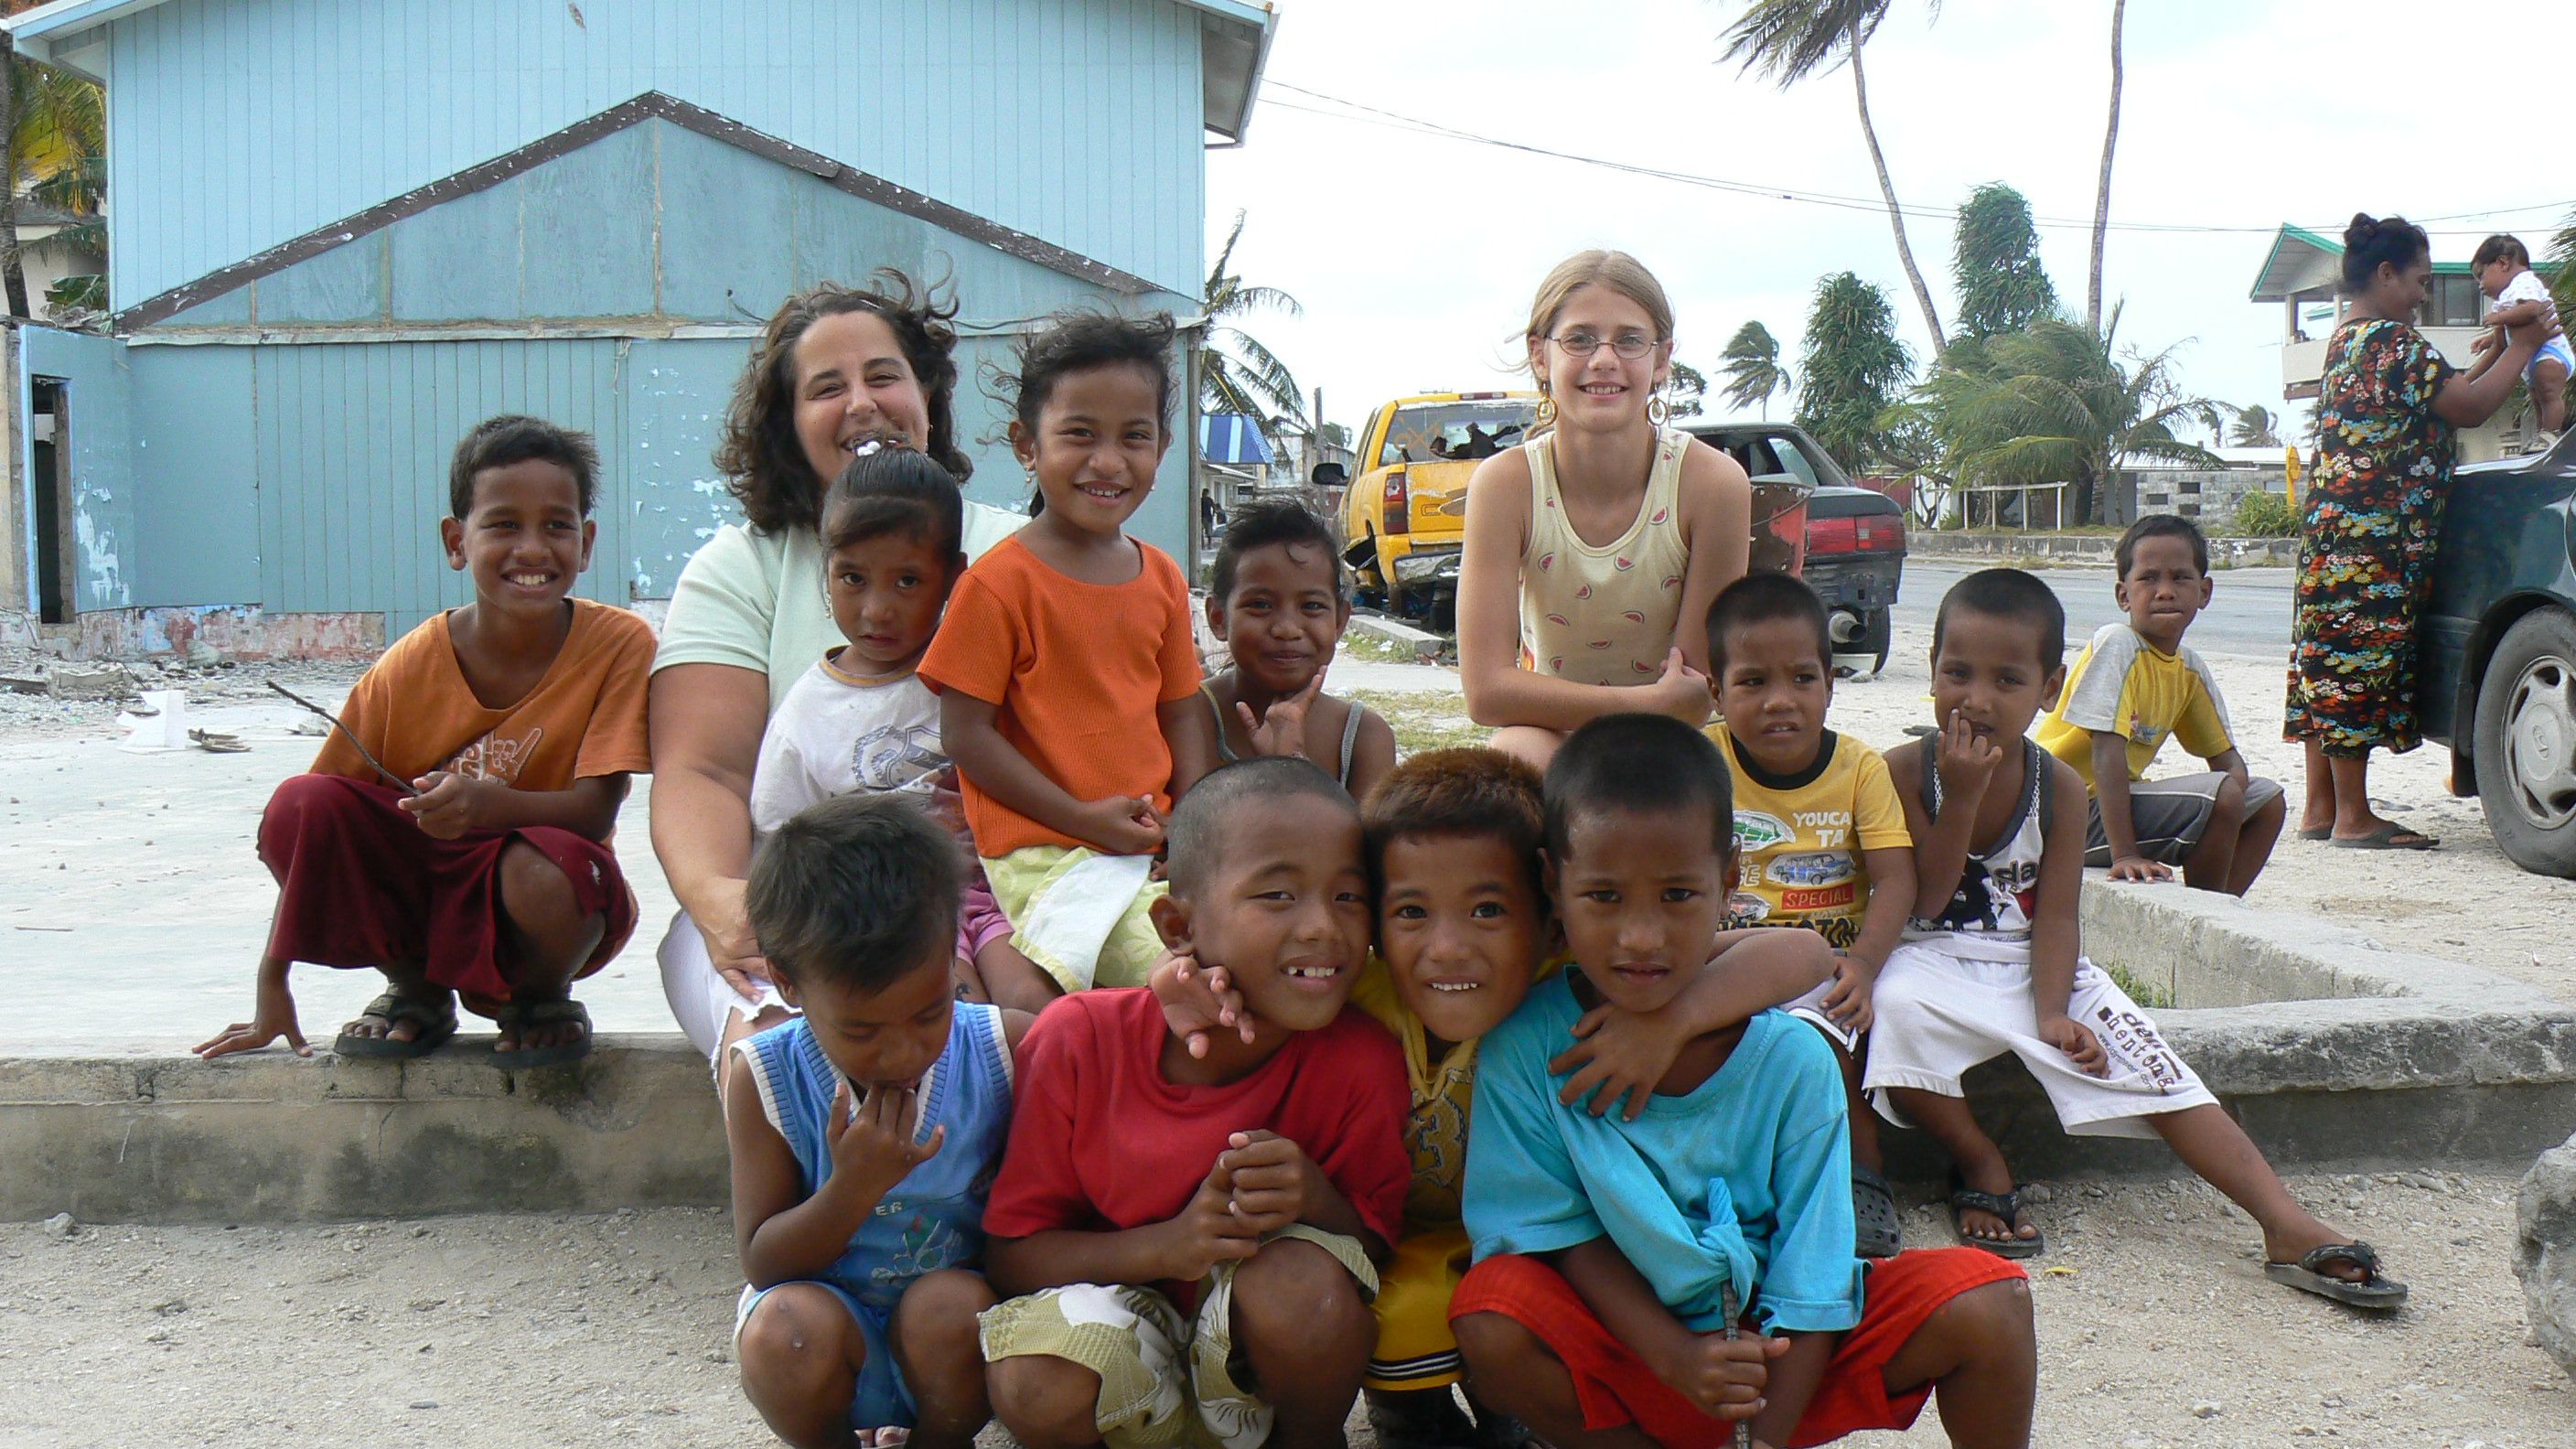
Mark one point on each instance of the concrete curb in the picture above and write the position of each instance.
(2081, 549)
(1420, 644)
(2334, 1050)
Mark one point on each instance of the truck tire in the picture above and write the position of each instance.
(2526, 742)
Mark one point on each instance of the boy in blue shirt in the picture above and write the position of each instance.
(864, 1135)
(1617, 1260)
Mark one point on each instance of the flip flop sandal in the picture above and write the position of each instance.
(1881, 1235)
(2316, 832)
(215, 743)
(555, 1011)
(2006, 1206)
(2385, 838)
(436, 1021)
(2371, 1291)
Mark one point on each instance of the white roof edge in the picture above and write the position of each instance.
(35, 31)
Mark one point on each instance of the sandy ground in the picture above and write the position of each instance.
(2156, 1329)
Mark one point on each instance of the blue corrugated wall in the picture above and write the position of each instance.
(248, 122)
(310, 475)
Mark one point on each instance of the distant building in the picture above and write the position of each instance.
(344, 233)
(2304, 274)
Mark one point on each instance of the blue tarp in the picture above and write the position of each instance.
(1232, 438)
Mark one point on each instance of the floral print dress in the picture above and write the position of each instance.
(2366, 540)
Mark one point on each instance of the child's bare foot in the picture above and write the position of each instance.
(541, 1032)
(2291, 1239)
(411, 1019)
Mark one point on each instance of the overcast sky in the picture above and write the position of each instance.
(1416, 256)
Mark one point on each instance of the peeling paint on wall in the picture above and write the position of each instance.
(102, 576)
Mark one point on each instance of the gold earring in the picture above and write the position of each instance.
(1546, 412)
(1657, 410)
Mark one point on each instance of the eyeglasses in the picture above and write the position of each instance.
(1630, 345)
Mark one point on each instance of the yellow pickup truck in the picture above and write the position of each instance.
(1404, 519)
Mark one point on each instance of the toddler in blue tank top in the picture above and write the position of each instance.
(864, 1135)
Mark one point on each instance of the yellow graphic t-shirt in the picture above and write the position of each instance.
(2123, 685)
(1799, 837)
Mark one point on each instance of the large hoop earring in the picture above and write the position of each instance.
(1546, 412)
(1657, 410)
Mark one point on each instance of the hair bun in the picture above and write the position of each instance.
(2364, 227)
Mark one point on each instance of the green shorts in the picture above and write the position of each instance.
(1163, 1380)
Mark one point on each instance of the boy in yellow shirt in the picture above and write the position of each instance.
(1818, 829)
(1453, 840)
(2137, 685)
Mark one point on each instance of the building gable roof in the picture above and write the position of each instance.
(2302, 261)
(648, 106)
(1234, 39)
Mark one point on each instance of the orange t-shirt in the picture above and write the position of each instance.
(1075, 671)
(416, 713)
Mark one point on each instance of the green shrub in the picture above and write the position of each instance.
(2266, 515)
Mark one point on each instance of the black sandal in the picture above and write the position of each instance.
(1880, 1233)
(2006, 1207)
(519, 1016)
(2308, 1276)
(435, 1020)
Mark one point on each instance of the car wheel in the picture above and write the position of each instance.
(2526, 742)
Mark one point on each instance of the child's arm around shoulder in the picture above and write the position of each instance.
(780, 1232)
(1618, 1055)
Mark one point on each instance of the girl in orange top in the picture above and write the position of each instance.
(1067, 668)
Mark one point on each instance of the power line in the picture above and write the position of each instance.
(1360, 113)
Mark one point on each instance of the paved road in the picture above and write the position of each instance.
(2248, 615)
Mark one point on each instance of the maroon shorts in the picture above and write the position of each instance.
(360, 884)
(1616, 1388)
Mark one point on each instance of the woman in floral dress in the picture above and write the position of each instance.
(2387, 408)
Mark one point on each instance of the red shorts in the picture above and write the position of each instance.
(1616, 1388)
(359, 884)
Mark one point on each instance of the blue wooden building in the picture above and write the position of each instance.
(342, 231)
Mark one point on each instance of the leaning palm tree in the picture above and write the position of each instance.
(2059, 403)
(2102, 191)
(1752, 368)
(2256, 427)
(1790, 40)
(1236, 373)
(1853, 371)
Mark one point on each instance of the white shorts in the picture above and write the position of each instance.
(1940, 1013)
(1811, 1008)
(702, 1001)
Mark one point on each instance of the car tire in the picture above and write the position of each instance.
(2526, 742)
(1880, 634)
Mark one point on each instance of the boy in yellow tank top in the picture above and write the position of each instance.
(1819, 830)
(1453, 839)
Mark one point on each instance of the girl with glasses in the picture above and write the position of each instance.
(1594, 550)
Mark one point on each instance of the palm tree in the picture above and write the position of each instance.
(2102, 193)
(1789, 40)
(2562, 250)
(2256, 427)
(1684, 390)
(1854, 370)
(2058, 403)
(1236, 373)
(1752, 368)
(53, 139)
(1995, 261)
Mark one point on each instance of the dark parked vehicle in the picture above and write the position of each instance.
(1853, 539)
(2496, 673)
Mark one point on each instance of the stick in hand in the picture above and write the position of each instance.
(333, 720)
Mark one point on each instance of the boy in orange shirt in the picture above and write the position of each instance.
(456, 838)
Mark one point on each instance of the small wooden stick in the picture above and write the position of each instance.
(329, 718)
(1727, 1304)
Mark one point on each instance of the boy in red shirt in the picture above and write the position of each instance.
(470, 856)
(1187, 1243)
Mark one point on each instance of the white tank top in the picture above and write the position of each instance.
(1989, 915)
(1603, 615)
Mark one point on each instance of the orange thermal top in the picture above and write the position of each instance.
(1075, 671)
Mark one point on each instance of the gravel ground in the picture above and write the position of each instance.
(2156, 1329)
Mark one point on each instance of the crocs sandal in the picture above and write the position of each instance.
(1881, 1235)
(435, 1020)
(518, 1016)
(2371, 1291)
(2006, 1206)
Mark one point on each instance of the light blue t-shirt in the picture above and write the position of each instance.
(934, 1217)
(1747, 1176)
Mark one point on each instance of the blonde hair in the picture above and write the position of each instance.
(1618, 271)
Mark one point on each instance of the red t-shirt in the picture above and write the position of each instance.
(1100, 1142)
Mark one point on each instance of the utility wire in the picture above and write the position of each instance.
(1362, 114)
